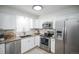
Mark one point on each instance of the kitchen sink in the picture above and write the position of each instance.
(25, 36)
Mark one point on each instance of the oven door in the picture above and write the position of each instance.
(44, 41)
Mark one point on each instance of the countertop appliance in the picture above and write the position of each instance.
(67, 38)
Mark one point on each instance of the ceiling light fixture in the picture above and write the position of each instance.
(37, 7)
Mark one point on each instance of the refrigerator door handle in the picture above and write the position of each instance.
(63, 40)
(65, 35)
(64, 32)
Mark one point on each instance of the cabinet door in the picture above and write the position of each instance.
(53, 45)
(10, 48)
(31, 42)
(37, 40)
(24, 45)
(7, 21)
(1, 20)
(18, 47)
(2, 48)
(59, 25)
(37, 24)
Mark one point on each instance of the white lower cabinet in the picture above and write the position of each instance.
(2, 48)
(31, 42)
(27, 44)
(37, 41)
(24, 45)
(53, 45)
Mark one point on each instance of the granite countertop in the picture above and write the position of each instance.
(16, 39)
(9, 40)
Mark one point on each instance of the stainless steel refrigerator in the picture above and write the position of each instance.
(67, 36)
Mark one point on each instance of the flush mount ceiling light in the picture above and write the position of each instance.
(37, 7)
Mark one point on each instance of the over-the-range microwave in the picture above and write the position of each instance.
(47, 25)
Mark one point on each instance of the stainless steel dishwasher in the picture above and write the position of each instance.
(13, 47)
(18, 47)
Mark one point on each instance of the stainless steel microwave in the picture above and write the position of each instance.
(47, 25)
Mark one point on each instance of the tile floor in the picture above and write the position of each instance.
(37, 50)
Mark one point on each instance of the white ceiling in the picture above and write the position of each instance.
(47, 9)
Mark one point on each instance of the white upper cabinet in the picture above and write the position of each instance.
(59, 24)
(37, 24)
(7, 21)
(23, 23)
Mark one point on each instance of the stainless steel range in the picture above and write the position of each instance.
(45, 42)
